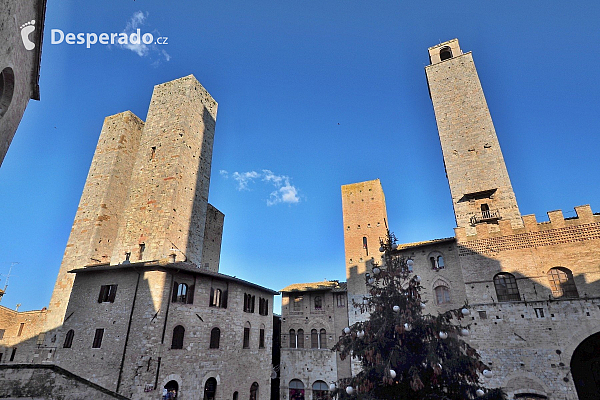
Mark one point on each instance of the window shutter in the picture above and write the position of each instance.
(212, 295)
(102, 292)
(252, 308)
(224, 302)
(112, 292)
(190, 294)
(174, 296)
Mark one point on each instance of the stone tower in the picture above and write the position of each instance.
(479, 182)
(365, 222)
(146, 194)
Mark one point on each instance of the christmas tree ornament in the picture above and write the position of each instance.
(443, 335)
(418, 278)
(381, 249)
(371, 281)
(479, 392)
(394, 246)
(487, 373)
(346, 330)
(396, 308)
(423, 306)
(332, 386)
(465, 311)
(464, 332)
(407, 327)
(410, 263)
(392, 373)
(350, 390)
(376, 271)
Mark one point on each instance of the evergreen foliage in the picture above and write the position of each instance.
(406, 353)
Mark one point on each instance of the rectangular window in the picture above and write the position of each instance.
(298, 302)
(12, 354)
(249, 301)
(482, 315)
(539, 312)
(1, 333)
(98, 338)
(261, 339)
(107, 294)
(1, 354)
(21, 328)
(340, 299)
(246, 338)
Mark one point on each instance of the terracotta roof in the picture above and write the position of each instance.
(405, 246)
(334, 286)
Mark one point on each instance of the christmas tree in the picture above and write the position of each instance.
(406, 353)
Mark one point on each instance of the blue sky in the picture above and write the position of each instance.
(312, 95)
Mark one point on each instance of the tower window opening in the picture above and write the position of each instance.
(485, 211)
(141, 252)
(365, 245)
(445, 53)
(153, 153)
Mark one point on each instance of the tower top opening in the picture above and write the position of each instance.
(444, 51)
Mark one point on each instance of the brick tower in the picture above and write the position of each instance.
(365, 222)
(479, 182)
(146, 194)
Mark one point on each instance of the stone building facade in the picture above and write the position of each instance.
(312, 317)
(533, 288)
(139, 307)
(21, 30)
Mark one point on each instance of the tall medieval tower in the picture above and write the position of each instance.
(365, 222)
(479, 182)
(146, 194)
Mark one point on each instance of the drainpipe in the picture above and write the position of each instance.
(137, 284)
(162, 339)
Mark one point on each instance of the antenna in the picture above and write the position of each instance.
(6, 282)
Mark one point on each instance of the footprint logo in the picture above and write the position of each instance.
(26, 30)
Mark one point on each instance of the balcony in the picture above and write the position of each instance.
(487, 216)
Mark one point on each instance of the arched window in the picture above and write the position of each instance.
(320, 391)
(292, 339)
(177, 342)
(318, 303)
(182, 293)
(300, 339)
(210, 388)
(437, 260)
(314, 339)
(562, 283)
(69, 339)
(323, 339)
(215, 338)
(172, 388)
(254, 391)
(296, 389)
(246, 344)
(506, 287)
(445, 53)
(235, 395)
(442, 295)
(7, 86)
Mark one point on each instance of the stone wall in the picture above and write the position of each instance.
(19, 67)
(136, 357)
(21, 332)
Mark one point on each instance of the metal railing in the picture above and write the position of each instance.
(486, 216)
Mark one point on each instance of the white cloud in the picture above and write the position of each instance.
(244, 178)
(284, 191)
(137, 20)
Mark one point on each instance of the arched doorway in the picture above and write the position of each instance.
(585, 368)
(210, 388)
(171, 390)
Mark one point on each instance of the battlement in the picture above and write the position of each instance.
(558, 230)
